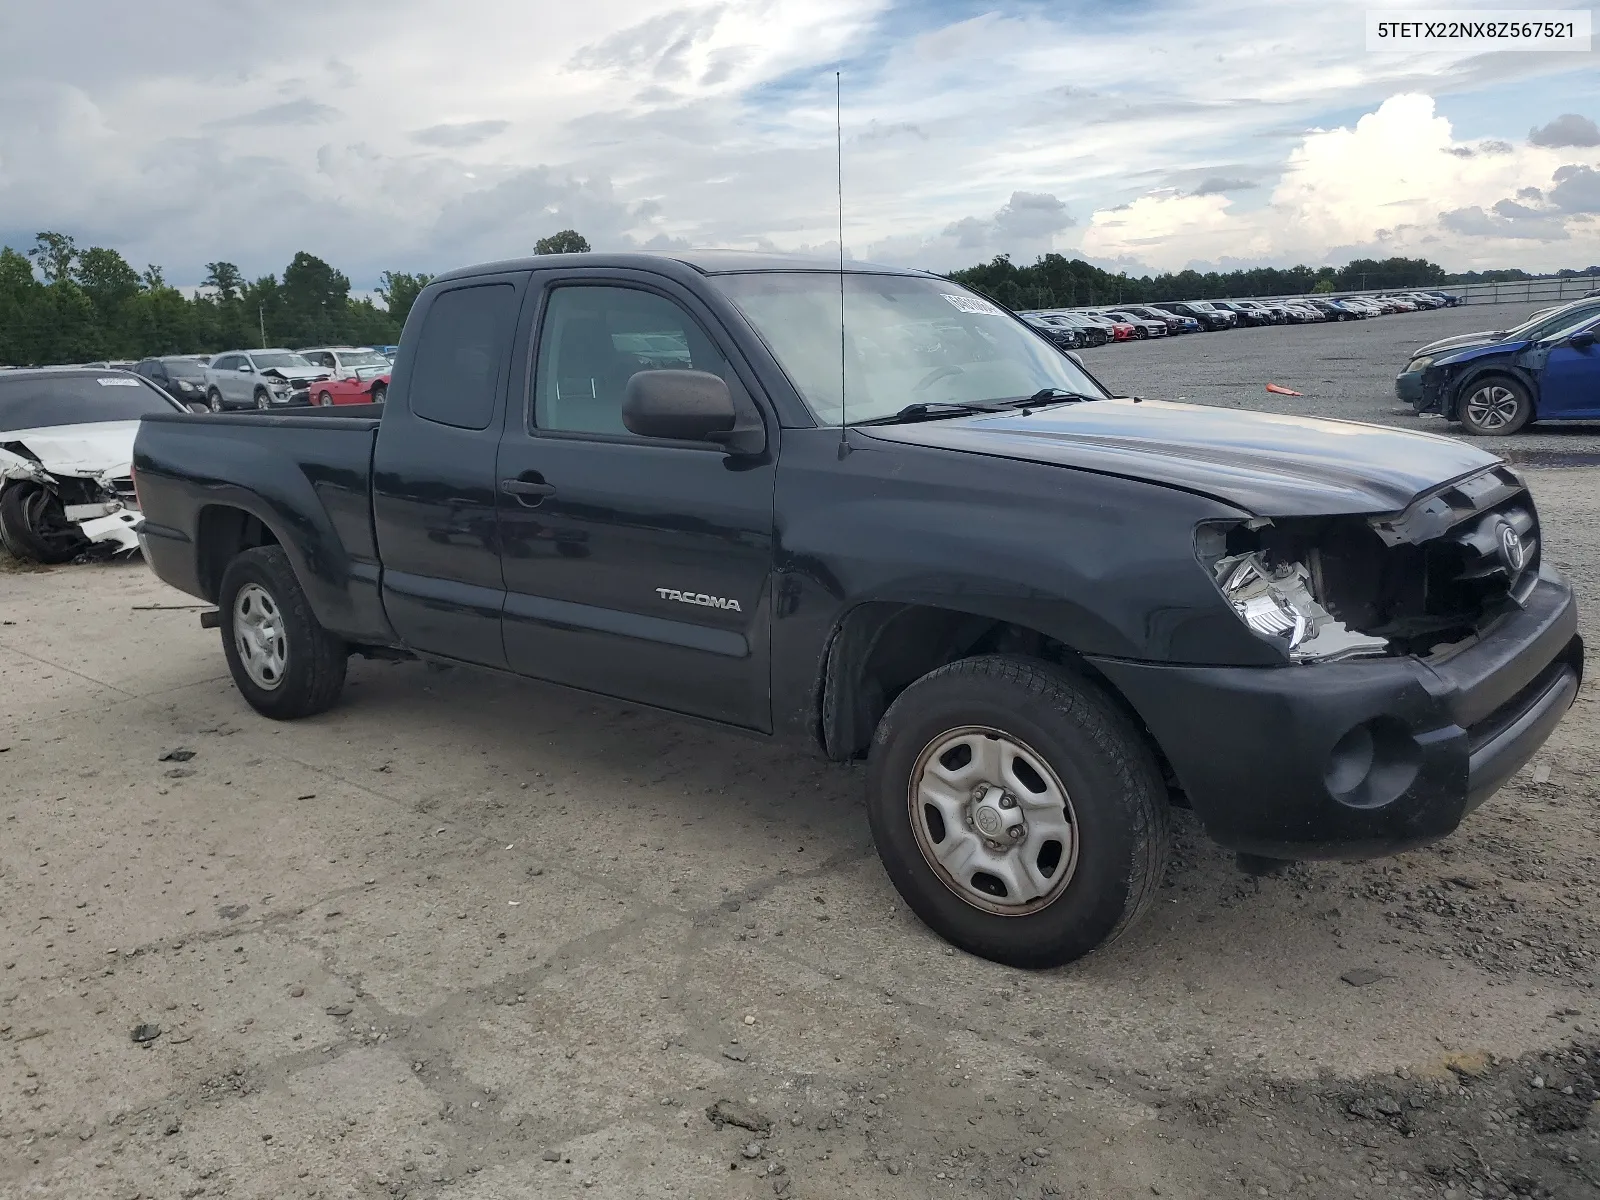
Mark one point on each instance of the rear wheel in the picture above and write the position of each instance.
(34, 526)
(283, 662)
(1494, 405)
(1016, 809)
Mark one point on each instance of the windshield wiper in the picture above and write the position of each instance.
(1049, 396)
(932, 410)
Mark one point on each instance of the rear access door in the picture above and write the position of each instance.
(633, 566)
(433, 489)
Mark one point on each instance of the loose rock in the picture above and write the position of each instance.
(731, 1112)
(146, 1033)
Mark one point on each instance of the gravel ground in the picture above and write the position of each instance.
(465, 938)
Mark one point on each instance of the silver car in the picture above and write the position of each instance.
(263, 379)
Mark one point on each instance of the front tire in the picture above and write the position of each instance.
(214, 400)
(1496, 405)
(1017, 810)
(283, 662)
(263, 402)
(325, 399)
(379, 393)
(34, 526)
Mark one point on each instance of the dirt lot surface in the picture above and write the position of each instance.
(463, 938)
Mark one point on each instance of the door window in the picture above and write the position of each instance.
(465, 340)
(595, 339)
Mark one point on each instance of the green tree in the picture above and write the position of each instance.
(55, 253)
(1323, 287)
(568, 241)
(399, 290)
(108, 281)
(314, 298)
(226, 278)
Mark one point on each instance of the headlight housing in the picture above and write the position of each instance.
(1277, 602)
(185, 386)
(1418, 364)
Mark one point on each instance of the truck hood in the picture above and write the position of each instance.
(101, 448)
(1264, 463)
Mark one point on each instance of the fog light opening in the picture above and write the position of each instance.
(1373, 764)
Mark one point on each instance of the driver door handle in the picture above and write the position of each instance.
(529, 492)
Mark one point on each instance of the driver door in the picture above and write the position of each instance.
(1569, 385)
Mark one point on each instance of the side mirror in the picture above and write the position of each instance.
(688, 406)
(245, 368)
(1582, 340)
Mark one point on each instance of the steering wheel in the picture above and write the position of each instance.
(934, 376)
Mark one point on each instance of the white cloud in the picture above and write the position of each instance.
(465, 128)
(1396, 183)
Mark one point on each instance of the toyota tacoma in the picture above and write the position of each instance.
(872, 512)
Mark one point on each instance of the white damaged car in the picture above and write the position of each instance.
(66, 460)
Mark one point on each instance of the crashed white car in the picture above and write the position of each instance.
(66, 455)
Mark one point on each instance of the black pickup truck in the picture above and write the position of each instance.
(922, 535)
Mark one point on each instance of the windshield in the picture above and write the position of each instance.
(908, 340)
(184, 368)
(35, 401)
(362, 358)
(1542, 325)
(281, 360)
(1202, 305)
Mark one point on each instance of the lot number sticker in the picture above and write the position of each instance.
(971, 304)
(118, 382)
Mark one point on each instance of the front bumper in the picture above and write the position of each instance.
(1408, 386)
(1366, 757)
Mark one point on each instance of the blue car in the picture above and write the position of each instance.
(1546, 374)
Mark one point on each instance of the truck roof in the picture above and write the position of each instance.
(702, 262)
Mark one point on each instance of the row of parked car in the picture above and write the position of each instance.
(267, 379)
(1074, 328)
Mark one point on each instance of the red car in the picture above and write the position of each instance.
(351, 391)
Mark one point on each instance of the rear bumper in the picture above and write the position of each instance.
(1362, 758)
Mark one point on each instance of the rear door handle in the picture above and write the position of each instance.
(529, 493)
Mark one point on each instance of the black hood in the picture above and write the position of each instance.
(1267, 464)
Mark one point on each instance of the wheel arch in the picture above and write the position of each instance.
(880, 647)
(222, 532)
(1476, 373)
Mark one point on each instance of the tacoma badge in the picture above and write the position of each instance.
(700, 598)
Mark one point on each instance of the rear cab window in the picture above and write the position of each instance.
(461, 354)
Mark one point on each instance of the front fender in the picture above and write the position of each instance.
(1462, 381)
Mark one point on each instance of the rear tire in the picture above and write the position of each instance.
(34, 526)
(1084, 748)
(313, 660)
(1494, 406)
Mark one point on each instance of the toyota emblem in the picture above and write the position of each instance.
(1512, 551)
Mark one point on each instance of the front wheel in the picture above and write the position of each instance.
(379, 393)
(1016, 809)
(325, 399)
(1496, 405)
(34, 525)
(214, 400)
(262, 402)
(283, 662)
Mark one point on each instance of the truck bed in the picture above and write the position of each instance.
(226, 481)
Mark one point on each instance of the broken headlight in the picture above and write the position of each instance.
(1278, 602)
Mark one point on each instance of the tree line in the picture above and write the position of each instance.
(63, 303)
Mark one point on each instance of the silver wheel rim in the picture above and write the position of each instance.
(993, 821)
(325, 399)
(261, 400)
(1492, 407)
(216, 404)
(259, 636)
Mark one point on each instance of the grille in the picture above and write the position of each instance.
(123, 488)
(1477, 564)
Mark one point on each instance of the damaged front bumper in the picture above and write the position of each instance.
(101, 504)
(1363, 757)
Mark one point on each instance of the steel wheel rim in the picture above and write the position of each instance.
(259, 636)
(1492, 407)
(965, 809)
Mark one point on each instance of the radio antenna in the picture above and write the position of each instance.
(838, 167)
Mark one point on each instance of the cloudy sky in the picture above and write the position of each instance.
(1143, 134)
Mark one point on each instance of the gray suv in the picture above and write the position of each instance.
(259, 379)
